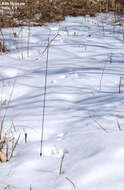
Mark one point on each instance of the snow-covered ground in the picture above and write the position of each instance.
(83, 106)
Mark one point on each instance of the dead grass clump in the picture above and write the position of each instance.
(8, 143)
(3, 47)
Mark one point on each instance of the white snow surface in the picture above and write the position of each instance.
(80, 117)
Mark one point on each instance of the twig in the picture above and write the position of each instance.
(7, 150)
(102, 76)
(71, 182)
(100, 126)
(48, 45)
(2, 142)
(50, 42)
(44, 101)
(30, 187)
(110, 61)
(28, 40)
(120, 84)
(61, 164)
(13, 126)
(118, 124)
(25, 135)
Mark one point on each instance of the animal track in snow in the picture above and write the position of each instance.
(60, 136)
(71, 74)
(65, 76)
(54, 81)
(52, 151)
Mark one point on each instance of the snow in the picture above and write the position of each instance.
(80, 117)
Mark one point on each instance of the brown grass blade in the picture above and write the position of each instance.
(14, 147)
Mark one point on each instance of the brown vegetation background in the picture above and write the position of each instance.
(37, 12)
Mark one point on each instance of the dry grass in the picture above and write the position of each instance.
(118, 124)
(9, 138)
(19, 12)
(61, 164)
(3, 47)
(8, 143)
